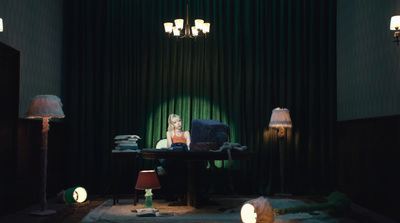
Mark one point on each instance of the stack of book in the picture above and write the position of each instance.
(126, 142)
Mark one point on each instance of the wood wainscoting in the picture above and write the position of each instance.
(369, 162)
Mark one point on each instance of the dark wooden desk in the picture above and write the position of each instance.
(191, 157)
(117, 156)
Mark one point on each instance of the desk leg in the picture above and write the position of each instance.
(135, 175)
(191, 184)
(115, 199)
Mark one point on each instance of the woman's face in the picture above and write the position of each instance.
(178, 124)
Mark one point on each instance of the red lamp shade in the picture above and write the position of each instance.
(147, 179)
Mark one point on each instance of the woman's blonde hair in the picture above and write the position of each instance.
(172, 119)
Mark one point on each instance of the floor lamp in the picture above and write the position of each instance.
(44, 107)
(280, 119)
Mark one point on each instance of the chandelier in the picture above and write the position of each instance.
(199, 27)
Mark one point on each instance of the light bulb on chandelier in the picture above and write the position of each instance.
(199, 27)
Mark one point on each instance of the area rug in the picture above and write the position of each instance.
(227, 210)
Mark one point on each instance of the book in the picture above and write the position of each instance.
(146, 212)
(125, 137)
(126, 147)
(126, 142)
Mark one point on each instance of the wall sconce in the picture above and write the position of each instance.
(147, 180)
(280, 119)
(44, 107)
(1, 25)
(395, 25)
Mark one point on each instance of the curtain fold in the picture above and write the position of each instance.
(125, 76)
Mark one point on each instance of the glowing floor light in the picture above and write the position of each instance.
(75, 194)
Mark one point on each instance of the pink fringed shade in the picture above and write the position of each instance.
(280, 118)
(45, 106)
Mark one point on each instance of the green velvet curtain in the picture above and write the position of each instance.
(124, 75)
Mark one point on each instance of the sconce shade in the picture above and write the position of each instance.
(206, 27)
(199, 24)
(147, 179)
(179, 24)
(1, 25)
(280, 117)
(45, 106)
(176, 31)
(194, 31)
(395, 22)
(75, 194)
(168, 27)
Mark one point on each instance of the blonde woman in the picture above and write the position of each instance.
(176, 169)
(175, 133)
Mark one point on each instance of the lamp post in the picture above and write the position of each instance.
(44, 107)
(280, 119)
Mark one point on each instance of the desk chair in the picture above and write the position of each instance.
(161, 144)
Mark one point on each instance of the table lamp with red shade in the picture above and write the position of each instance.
(147, 180)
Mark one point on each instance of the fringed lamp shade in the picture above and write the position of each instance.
(280, 118)
(45, 106)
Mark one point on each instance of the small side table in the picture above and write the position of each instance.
(117, 155)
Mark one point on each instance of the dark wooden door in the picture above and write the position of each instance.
(9, 105)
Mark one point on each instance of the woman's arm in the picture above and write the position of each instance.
(187, 137)
(169, 139)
